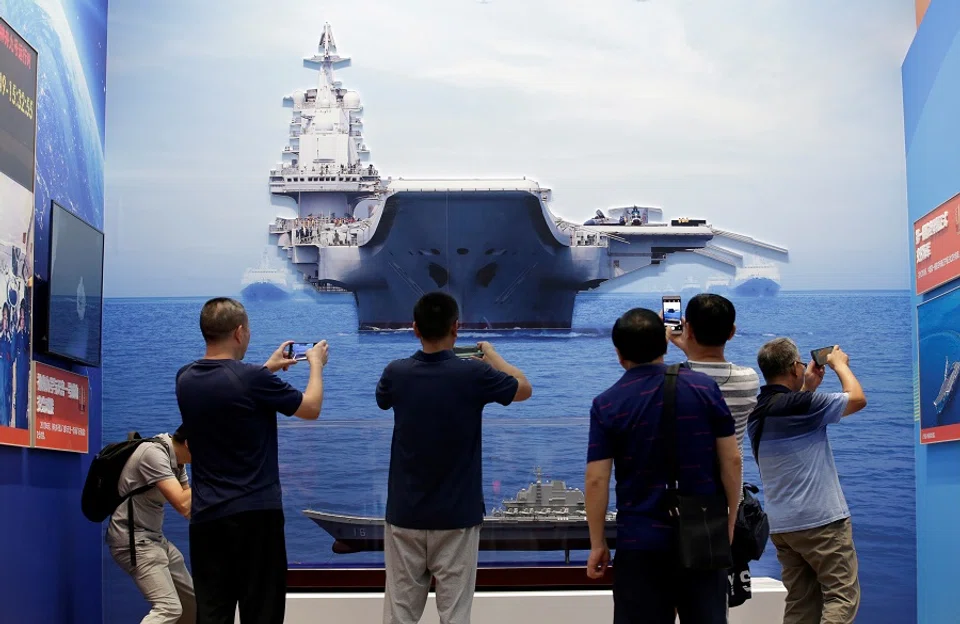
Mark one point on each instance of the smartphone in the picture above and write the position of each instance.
(672, 315)
(298, 350)
(820, 355)
(468, 352)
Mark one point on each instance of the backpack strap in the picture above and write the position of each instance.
(755, 440)
(133, 435)
(668, 424)
(133, 543)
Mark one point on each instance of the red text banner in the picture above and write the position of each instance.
(62, 413)
(936, 240)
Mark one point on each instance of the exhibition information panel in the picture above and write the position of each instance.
(18, 96)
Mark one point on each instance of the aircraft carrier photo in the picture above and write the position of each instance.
(493, 244)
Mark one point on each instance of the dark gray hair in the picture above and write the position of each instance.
(777, 357)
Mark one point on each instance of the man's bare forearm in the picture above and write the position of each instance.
(856, 399)
(731, 474)
(313, 395)
(496, 360)
(597, 501)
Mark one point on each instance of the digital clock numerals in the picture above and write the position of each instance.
(18, 98)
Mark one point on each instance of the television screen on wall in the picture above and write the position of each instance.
(75, 303)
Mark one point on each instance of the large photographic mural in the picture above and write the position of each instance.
(329, 171)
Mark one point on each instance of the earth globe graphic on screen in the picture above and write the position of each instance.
(69, 147)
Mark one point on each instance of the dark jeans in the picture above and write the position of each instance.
(240, 559)
(649, 588)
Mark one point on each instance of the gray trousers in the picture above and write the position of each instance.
(163, 579)
(412, 557)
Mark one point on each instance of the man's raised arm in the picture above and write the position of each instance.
(313, 396)
(495, 360)
(840, 363)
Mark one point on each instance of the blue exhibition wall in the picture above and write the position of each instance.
(51, 564)
(931, 89)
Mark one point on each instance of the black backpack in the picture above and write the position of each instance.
(752, 529)
(101, 497)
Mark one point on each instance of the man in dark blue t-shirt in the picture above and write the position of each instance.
(435, 488)
(229, 410)
(649, 585)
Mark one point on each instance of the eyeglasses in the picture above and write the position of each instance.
(801, 363)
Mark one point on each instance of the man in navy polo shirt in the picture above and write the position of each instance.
(435, 489)
(229, 410)
(649, 585)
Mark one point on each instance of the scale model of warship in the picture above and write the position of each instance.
(547, 515)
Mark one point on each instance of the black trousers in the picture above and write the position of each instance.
(650, 588)
(240, 560)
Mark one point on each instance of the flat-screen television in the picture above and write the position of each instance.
(75, 286)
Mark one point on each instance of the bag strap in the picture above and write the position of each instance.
(133, 435)
(668, 423)
(755, 442)
(133, 543)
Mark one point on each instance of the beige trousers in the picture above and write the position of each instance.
(163, 579)
(819, 568)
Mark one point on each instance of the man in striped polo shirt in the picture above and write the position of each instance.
(708, 324)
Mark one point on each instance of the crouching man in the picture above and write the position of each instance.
(156, 565)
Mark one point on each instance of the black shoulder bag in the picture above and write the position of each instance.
(703, 541)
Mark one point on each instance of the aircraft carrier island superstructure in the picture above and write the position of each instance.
(491, 243)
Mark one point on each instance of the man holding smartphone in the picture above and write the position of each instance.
(435, 500)
(229, 409)
(809, 518)
(708, 324)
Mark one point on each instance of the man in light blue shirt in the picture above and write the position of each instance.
(809, 518)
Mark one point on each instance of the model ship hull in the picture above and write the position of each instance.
(354, 534)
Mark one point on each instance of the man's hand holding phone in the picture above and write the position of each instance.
(280, 359)
(812, 376)
(671, 315)
(838, 358)
(318, 354)
(677, 336)
(486, 349)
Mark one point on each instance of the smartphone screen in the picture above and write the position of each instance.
(672, 314)
(298, 350)
(820, 355)
(466, 352)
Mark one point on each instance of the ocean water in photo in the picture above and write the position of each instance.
(339, 463)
